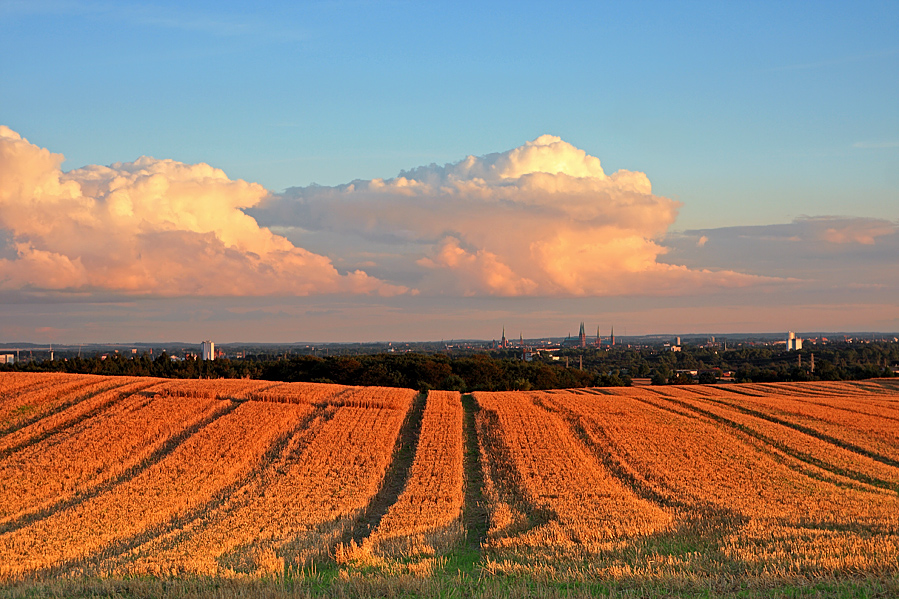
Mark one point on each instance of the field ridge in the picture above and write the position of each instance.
(155, 457)
(775, 447)
(289, 444)
(814, 433)
(395, 478)
(63, 407)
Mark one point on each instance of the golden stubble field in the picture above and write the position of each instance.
(120, 477)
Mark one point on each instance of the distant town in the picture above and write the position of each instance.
(529, 348)
(503, 363)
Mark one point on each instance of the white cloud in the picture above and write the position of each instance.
(541, 219)
(149, 227)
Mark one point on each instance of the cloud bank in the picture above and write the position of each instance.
(827, 252)
(543, 219)
(539, 221)
(148, 227)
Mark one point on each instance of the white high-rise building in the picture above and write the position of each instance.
(207, 350)
(793, 342)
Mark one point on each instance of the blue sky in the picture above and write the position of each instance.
(748, 114)
(755, 103)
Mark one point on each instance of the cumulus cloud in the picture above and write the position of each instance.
(149, 227)
(483, 269)
(541, 219)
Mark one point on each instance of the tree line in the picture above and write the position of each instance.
(748, 364)
(409, 370)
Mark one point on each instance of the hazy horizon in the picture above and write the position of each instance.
(620, 338)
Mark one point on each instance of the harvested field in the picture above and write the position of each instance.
(120, 477)
(549, 493)
(188, 476)
(26, 404)
(81, 457)
(760, 497)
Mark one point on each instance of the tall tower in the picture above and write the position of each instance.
(793, 342)
(207, 349)
(582, 337)
(612, 337)
(598, 338)
(504, 344)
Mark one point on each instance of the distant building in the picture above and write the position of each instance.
(582, 337)
(207, 350)
(794, 343)
(7, 358)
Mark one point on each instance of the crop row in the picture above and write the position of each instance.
(425, 518)
(95, 451)
(577, 502)
(299, 506)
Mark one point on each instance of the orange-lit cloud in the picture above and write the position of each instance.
(478, 270)
(830, 254)
(543, 219)
(149, 227)
(863, 231)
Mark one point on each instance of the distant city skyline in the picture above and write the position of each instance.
(402, 171)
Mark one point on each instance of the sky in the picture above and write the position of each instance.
(385, 171)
